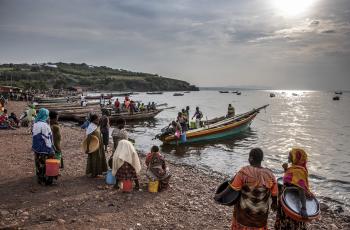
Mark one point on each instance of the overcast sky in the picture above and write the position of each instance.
(289, 44)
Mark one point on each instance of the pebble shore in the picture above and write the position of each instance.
(78, 202)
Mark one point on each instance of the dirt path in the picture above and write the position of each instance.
(78, 202)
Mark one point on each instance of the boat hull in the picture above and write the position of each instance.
(126, 116)
(226, 131)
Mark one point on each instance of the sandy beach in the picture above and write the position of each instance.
(78, 202)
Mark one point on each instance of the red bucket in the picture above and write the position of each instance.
(52, 167)
(126, 185)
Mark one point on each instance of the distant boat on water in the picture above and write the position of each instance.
(238, 93)
(178, 94)
(187, 92)
(294, 94)
(338, 92)
(336, 98)
(222, 91)
(151, 93)
(272, 95)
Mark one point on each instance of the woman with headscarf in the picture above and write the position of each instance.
(157, 169)
(126, 163)
(96, 162)
(296, 175)
(42, 144)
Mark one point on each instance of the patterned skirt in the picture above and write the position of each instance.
(126, 172)
(237, 226)
(284, 222)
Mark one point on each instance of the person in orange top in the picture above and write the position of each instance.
(258, 186)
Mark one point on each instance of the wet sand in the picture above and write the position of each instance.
(78, 202)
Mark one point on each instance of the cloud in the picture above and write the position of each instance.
(192, 40)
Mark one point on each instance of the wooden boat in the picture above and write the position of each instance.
(238, 93)
(222, 91)
(219, 130)
(338, 92)
(106, 97)
(52, 100)
(272, 95)
(66, 106)
(126, 116)
(336, 98)
(71, 115)
(178, 94)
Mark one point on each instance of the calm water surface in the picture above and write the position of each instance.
(311, 120)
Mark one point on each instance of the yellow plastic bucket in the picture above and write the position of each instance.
(192, 124)
(153, 186)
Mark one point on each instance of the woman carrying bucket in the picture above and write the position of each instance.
(43, 149)
(157, 170)
(126, 165)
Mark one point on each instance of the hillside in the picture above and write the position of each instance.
(64, 75)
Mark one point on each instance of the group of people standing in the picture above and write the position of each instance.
(7, 121)
(182, 122)
(257, 185)
(132, 107)
(259, 192)
(124, 161)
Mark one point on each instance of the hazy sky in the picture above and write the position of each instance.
(278, 43)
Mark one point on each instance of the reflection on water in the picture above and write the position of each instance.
(309, 119)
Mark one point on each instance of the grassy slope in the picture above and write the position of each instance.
(95, 77)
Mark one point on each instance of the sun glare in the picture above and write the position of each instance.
(292, 7)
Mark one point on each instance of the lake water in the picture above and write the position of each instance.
(311, 120)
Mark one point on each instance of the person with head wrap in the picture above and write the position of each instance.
(96, 162)
(295, 175)
(42, 135)
(126, 163)
(42, 143)
(157, 169)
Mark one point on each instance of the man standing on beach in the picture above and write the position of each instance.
(56, 136)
